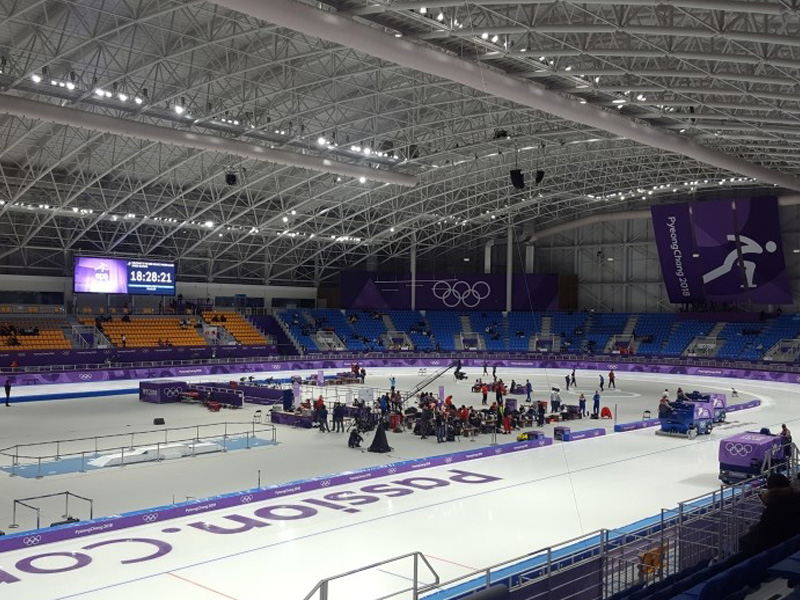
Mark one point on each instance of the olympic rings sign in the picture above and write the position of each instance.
(85, 376)
(461, 293)
(150, 518)
(172, 392)
(735, 449)
(32, 540)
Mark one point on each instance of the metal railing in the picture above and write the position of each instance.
(67, 515)
(322, 591)
(602, 563)
(41, 454)
(464, 355)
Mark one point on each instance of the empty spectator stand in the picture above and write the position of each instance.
(493, 327)
(570, 329)
(145, 332)
(243, 331)
(652, 332)
(300, 326)
(368, 324)
(445, 326)
(739, 338)
(414, 324)
(523, 328)
(783, 327)
(600, 327)
(33, 334)
(682, 335)
(328, 319)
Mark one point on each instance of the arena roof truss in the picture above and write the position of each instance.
(124, 123)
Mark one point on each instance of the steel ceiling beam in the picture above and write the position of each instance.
(33, 109)
(362, 38)
(756, 8)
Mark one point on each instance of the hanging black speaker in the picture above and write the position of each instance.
(539, 176)
(517, 179)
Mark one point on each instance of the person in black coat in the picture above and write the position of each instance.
(322, 417)
(338, 418)
(780, 519)
(355, 439)
(8, 390)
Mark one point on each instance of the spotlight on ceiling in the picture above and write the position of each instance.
(539, 177)
(231, 178)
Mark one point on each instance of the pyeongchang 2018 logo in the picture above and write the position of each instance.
(253, 520)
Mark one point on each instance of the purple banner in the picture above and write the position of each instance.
(715, 235)
(761, 248)
(385, 291)
(681, 272)
(739, 250)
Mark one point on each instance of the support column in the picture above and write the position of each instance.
(530, 258)
(509, 263)
(487, 257)
(413, 268)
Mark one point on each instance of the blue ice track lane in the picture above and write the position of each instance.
(73, 395)
(76, 464)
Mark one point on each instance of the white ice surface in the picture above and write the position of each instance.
(544, 496)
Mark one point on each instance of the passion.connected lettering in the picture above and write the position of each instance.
(144, 549)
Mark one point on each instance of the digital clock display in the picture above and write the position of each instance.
(121, 276)
(145, 277)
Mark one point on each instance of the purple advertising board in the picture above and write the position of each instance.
(384, 291)
(99, 375)
(130, 355)
(680, 270)
(161, 392)
(573, 436)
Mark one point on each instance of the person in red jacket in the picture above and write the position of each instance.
(612, 378)
(506, 423)
(484, 392)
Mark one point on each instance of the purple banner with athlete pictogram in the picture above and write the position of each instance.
(683, 279)
(715, 240)
(758, 226)
(722, 250)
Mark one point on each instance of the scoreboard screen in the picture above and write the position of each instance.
(122, 276)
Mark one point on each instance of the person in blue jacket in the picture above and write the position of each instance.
(528, 389)
(596, 403)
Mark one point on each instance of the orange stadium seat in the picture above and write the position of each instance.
(146, 332)
(240, 328)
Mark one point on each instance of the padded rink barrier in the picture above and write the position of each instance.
(574, 436)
